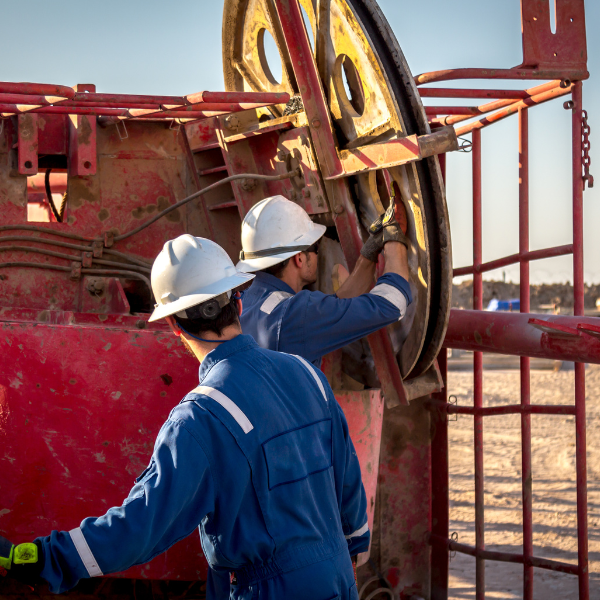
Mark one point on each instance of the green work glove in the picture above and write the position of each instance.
(23, 562)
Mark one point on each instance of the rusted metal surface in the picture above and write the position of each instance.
(82, 140)
(28, 144)
(385, 155)
(89, 423)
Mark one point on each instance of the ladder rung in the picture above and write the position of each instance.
(212, 170)
(230, 204)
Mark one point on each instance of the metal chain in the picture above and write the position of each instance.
(585, 158)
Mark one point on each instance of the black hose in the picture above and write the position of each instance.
(56, 213)
(72, 236)
(27, 238)
(203, 191)
(72, 257)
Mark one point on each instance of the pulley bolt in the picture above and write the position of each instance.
(232, 122)
(316, 123)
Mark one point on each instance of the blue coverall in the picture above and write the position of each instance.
(258, 456)
(311, 324)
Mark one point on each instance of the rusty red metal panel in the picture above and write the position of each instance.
(364, 413)
(566, 47)
(53, 135)
(28, 144)
(82, 140)
(77, 427)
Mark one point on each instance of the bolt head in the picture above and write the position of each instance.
(339, 209)
(316, 123)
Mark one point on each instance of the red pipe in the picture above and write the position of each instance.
(45, 89)
(225, 97)
(578, 292)
(451, 74)
(511, 333)
(92, 98)
(513, 259)
(458, 93)
(478, 372)
(512, 409)
(540, 563)
(524, 296)
(556, 92)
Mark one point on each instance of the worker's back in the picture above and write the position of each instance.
(285, 464)
(259, 457)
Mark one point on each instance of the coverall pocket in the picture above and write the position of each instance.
(294, 455)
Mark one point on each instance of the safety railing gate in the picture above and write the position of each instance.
(570, 338)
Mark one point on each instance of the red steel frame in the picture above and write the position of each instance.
(514, 334)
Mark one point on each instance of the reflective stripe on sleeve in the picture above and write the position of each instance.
(229, 405)
(313, 373)
(273, 300)
(87, 558)
(359, 532)
(391, 294)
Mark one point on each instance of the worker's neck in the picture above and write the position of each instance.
(291, 275)
(201, 349)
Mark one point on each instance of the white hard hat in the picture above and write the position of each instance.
(189, 271)
(272, 231)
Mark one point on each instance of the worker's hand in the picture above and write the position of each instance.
(373, 246)
(23, 562)
(395, 224)
(392, 225)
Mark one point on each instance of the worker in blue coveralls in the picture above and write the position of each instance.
(280, 243)
(257, 456)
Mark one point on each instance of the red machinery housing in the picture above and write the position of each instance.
(93, 184)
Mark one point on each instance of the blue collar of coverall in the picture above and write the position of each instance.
(237, 344)
(266, 279)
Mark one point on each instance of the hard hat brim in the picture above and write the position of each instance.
(257, 264)
(210, 291)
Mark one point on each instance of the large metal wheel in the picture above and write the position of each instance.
(372, 97)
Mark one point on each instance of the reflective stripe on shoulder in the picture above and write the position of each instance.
(273, 300)
(358, 532)
(87, 558)
(229, 405)
(313, 373)
(391, 294)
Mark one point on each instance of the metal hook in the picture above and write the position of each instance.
(454, 403)
(454, 538)
(122, 137)
(466, 145)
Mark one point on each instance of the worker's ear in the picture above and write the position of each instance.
(240, 308)
(173, 325)
(299, 259)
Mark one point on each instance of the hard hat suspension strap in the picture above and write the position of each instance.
(272, 251)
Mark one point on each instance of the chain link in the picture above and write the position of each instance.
(585, 157)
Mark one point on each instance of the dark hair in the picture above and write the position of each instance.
(227, 316)
(277, 270)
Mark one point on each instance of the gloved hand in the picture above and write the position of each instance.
(393, 223)
(373, 246)
(23, 562)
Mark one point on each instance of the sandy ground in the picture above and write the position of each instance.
(554, 491)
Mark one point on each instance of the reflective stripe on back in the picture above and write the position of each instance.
(229, 405)
(87, 558)
(313, 373)
(273, 300)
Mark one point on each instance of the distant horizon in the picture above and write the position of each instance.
(139, 51)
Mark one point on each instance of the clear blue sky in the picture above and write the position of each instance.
(136, 46)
